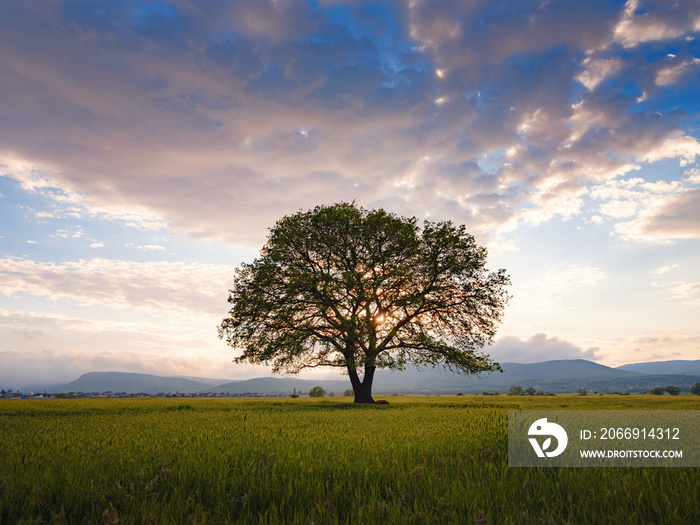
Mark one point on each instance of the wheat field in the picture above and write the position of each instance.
(423, 460)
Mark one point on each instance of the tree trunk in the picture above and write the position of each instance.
(362, 389)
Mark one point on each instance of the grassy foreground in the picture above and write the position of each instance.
(421, 460)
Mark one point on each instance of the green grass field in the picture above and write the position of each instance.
(266, 461)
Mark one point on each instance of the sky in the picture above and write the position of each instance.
(147, 146)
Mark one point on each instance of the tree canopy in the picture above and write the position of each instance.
(317, 391)
(673, 390)
(358, 289)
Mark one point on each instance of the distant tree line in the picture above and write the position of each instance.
(520, 391)
(673, 390)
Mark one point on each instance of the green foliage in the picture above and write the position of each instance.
(657, 391)
(515, 391)
(695, 389)
(61, 395)
(673, 390)
(317, 391)
(348, 392)
(530, 391)
(358, 289)
(437, 459)
(582, 392)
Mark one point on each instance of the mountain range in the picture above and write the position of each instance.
(549, 376)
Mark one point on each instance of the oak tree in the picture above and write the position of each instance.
(357, 289)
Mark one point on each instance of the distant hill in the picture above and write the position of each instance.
(209, 380)
(553, 376)
(664, 367)
(282, 385)
(549, 372)
(636, 384)
(132, 383)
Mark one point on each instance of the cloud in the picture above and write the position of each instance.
(538, 348)
(649, 347)
(671, 75)
(69, 202)
(657, 211)
(684, 148)
(686, 291)
(43, 348)
(178, 288)
(644, 21)
(57, 348)
(549, 292)
(597, 70)
(467, 35)
(665, 269)
(676, 216)
(214, 120)
(692, 176)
